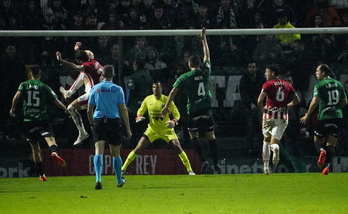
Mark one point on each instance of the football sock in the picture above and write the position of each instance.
(39, 168)
(129, 160)
(198, 148)
(214, 151)
(54, 148)
(318, 145)
(330, 154)
(266, 153)
(98, 164)
(184, 159)
(117, 164)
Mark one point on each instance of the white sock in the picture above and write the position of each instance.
(266, 153)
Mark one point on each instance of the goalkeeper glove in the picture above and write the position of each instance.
(171, 123)
(139, 118)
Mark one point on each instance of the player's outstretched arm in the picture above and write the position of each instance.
(171, 97)
(68, 64)
(61, 106)
(206, 51)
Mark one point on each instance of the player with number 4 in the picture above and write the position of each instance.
(280, 96)
(195, 84)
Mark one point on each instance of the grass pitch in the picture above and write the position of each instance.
(242, 193)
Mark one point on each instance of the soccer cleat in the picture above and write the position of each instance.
(98, 185)
(122, 183)
(64, 92)
(60, 161)
(325, 171)
(204, 167)
(191, 173)
(43, 177)
(266, 171)
(81, 138)
(275, 159)
(217, 169)
(322, 158)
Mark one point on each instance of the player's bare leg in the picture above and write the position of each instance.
(74, 108)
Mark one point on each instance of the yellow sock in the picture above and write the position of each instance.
(184, 159)
(131, 156)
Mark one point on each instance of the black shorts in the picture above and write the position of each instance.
(328, 127)
(108, 130)
(37, 129)
(202, 120)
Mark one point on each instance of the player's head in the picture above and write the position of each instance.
(90, 54)
(108, 72)
(271, 72)
(35, 71)
(157, 88)
(194, 61)
(81, 56)
(323, 71)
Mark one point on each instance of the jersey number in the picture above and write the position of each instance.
(280, 95)
(201, 90)
(33, 98)
(333, 97)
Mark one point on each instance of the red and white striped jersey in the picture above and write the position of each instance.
(89, 77)
(279, 94)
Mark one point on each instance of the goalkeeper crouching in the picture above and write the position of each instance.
(159, 127)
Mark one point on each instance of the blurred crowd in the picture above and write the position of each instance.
(166, 57)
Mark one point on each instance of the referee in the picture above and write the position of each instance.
(105, 106)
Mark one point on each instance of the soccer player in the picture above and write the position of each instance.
(37, 96)
(330, 97)
(159, 127)
(106, 105)
(280, 96)
(196, 85)
(90, 74)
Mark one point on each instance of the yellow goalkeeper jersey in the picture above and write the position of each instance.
(154, 108)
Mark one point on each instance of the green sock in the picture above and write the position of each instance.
(129, 160)
(184, 159)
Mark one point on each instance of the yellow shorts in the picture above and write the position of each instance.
(165, 134)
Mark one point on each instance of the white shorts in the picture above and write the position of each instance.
(83, 100)
(274, 127)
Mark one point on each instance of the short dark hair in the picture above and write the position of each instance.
(35, 70)
(273, 68)
(195, 61)
(81, 55)
(327, 70)
(108, 71)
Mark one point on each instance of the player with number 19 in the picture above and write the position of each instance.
(329, 96)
